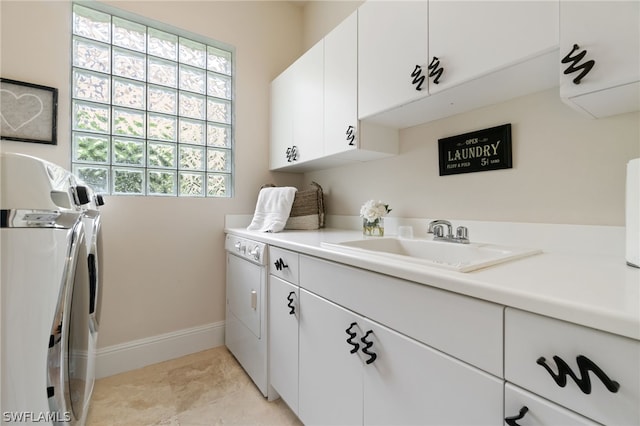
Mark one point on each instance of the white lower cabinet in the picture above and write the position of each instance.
(588, 371)
(354, 371)
(412, 384)
(330, 376)
(353, 347)
(526, 409)
(284, 312)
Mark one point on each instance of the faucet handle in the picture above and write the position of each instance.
(438, 231)
(462, 233)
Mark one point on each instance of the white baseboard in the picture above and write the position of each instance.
(151, 350)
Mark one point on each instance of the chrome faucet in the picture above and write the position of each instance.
(436, 227)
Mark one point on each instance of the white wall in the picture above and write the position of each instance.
(322, 16)
(566, 168)
(164, 259)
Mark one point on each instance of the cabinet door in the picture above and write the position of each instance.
(297, 106)
(610, 33)
(308, 104)
(588, 371)
(392, 40)
(341, 87)
(411, 383)
(283, 340)
(472, 38)
(527, 409)
(281, 118)
(330, 376)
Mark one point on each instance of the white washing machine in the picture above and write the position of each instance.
(44, 294)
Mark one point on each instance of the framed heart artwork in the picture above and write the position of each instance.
(28, 112)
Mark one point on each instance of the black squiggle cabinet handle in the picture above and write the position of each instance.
(280, 265)
(367, 345)
(418, 78)
(574, 63)
(512, 421)
(584, 365)
(290, 304)
(292, 154)
(351, 135)
(350, 341)
(435, 70)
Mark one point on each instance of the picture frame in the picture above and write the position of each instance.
(28, 112)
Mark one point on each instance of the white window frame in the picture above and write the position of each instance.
(108, 166)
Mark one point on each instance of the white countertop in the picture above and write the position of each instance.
(598, 291)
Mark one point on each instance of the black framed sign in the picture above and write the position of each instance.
(488, 149)
(28, 112)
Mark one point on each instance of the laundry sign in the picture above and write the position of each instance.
(478, 151)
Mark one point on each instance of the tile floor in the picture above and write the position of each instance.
(206, 388)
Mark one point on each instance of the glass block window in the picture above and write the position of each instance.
(151, 109)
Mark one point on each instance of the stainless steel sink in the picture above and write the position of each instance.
(452, 256)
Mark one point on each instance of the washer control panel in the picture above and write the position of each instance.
(253, 251)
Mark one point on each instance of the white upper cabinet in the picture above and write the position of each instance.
(281, 119)
(297, 106)
(605, 37)
(341, 87)
(315, 109)
(468, 39)
(392, 41)
(308, 98)
(397, 64)
(461, 55)
(345, 137)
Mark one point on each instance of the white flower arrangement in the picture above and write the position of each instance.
(373, 210)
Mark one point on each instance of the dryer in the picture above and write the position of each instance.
(44, 293)
(245, 333)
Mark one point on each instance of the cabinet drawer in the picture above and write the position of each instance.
(465, 328)
(283, 264)
(582, 360)
(539, 412)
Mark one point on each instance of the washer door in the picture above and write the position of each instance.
(69, 340)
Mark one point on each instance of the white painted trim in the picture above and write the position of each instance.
(151, 350)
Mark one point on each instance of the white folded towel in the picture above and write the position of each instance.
(272, 209)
